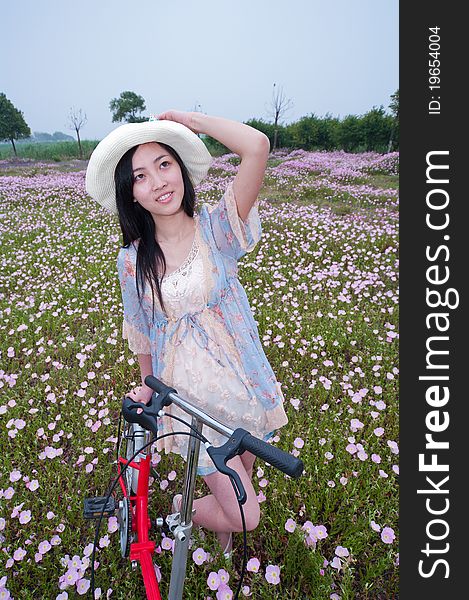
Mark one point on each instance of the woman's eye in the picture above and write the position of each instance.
(165, 163)
(138, 177)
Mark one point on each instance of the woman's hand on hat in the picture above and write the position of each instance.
(179, 116)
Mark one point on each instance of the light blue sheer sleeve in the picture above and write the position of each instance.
(135, 325)
(233, 236)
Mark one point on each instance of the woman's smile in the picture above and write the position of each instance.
(165, 198)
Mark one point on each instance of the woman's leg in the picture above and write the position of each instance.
(219, 511)
(248, 461)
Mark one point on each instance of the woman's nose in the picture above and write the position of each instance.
(158, 182)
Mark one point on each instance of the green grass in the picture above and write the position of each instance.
(61, 316)
(48, 151)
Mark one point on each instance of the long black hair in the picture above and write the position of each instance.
(137, 223)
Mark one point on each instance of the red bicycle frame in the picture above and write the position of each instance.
(142, 550)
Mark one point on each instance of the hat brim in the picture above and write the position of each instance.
(99, 181)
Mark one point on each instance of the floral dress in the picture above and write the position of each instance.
(207, 345)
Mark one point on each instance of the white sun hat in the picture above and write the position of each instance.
(103, 162)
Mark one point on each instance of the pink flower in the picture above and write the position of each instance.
(8, 493)
(375, 526)
(157, 573)
(299, 442)
(272, 574)
(378, 431)
(15, 475)
(75, 563)
(71, 576)
(321, 532)
(25, 517)
(224, 576)
(87, 551)
(4, 593)
(44, 547)
(387, 535)
(104, 541)
(224, 592)
(309, 528)
(253, 565)
(167, 543)
(356, 424)
(83, 585)
(290, 525)
(213, 581)
(19, 554)
(199, 556)
(112, 524)
(341, 551)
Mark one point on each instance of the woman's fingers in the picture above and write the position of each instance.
(135, 396)
(179, 116)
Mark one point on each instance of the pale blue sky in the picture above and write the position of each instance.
(330, 56)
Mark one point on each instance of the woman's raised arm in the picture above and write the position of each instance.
(251, 145)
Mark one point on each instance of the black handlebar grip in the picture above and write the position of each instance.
(156, 384)
(287, 463)
(129, 411)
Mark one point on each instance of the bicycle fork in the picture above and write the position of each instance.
(182, 531)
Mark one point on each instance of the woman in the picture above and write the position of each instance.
(186, 314)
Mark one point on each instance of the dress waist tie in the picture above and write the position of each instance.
(201, 340)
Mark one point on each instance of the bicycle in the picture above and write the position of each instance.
(134, 473)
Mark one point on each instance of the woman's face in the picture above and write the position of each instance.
(157, 180)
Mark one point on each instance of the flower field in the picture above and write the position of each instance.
(323, 287)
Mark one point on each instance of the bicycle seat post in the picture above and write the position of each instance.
(184, 529)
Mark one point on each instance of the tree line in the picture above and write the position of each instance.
(376, 130)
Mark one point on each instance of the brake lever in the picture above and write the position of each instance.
(219, 457)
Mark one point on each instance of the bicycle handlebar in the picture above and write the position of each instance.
(239, 439)
(285, 462)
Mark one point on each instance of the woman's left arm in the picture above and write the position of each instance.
(251, 145)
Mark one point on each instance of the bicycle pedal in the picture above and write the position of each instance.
(94, 507)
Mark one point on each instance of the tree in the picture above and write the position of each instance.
(350, 133)
(12, 124)
(278, 107)
(126, 108)
(376, 129)
(305, 132)
(77, 120)
(394, 106)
